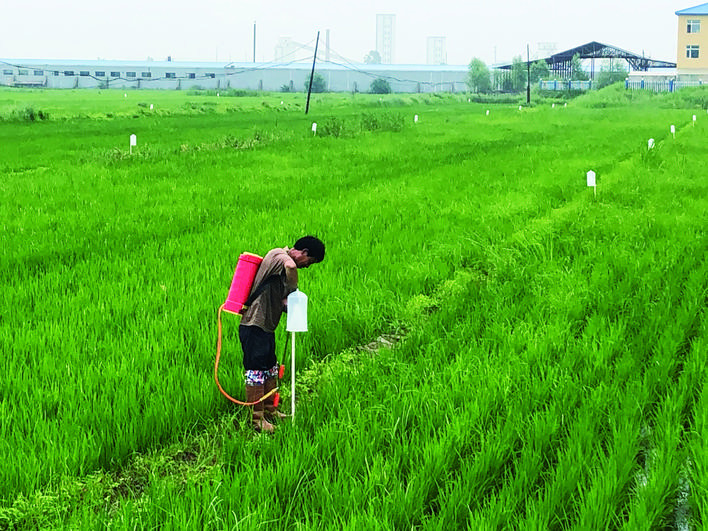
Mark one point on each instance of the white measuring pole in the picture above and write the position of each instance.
(292, 378)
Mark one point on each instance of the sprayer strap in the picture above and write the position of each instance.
(260, 289)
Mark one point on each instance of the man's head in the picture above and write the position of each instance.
(308, 250)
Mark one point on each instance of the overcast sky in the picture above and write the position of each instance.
(221, 30)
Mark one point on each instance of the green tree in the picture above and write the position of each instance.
(478, 79)
(518, 74)
(373, 58)
(540, 70)
(318, 83)
(502, 80)
(612, 73)
(380, 86)
(576, 69)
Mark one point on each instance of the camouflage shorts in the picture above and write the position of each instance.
(259, 377)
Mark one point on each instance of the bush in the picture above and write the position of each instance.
(26, 114)
(382, 122)
(331, 126)
(318, 83)
(380, 86)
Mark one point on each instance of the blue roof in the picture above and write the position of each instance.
(698, 10)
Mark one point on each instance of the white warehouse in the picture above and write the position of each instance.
(272, 77)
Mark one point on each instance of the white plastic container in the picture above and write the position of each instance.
(297, 312)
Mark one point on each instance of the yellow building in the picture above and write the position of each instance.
(692, 51)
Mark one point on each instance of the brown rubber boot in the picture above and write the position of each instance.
(253, 393)
(271, 412)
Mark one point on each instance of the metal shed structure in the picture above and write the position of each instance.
(560, 63)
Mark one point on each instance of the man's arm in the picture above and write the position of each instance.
(291, 274)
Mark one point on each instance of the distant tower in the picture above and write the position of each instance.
(286, 49)
(385, 34)
(437, 54)
(545, 49)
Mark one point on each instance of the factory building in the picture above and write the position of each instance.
(271, 77)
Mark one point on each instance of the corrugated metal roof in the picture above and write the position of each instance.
(697, 10)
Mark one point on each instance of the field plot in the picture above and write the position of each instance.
(549, 364)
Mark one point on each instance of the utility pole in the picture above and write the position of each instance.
(528, 75)
(254, 41)
(312, 74)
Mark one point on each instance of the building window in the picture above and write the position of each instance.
(692, 51)
(170, 75)
(84, 73)
(146, 74)
(130, 74)
(211, 75)
(191, 75)
(22, 72)
(55, 72)
(39, 72)
(7, 72)
(68, 72)
(100, 74)
(115, 74)
(693, 26)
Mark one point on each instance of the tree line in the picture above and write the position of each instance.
(483, 80)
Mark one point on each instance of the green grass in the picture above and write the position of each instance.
(551, 367)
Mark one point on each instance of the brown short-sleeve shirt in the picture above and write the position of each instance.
(266, 310)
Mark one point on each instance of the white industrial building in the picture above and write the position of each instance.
(271, 77)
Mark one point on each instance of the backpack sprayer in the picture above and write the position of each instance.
(236, 303)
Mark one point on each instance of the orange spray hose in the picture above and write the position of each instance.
(216, 372)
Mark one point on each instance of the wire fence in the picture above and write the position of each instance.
(660, 85)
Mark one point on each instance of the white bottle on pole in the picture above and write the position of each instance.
(297, 322)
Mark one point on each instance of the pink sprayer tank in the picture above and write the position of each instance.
(245, 272)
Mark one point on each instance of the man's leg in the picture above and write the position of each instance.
(258, 354)
(271, 382)
(255, 389)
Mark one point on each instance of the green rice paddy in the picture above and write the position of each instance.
(536, 348)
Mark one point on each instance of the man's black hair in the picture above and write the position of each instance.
(315, 247)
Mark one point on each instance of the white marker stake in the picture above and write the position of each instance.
(314, 128)
(133, 142)
(694, 120)
(519, 107)
(415, 119)
(487, 112)
(591, 181)
(673, 131)
(125, 95)
(650, 144)
(151, 106)
(553, 106)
